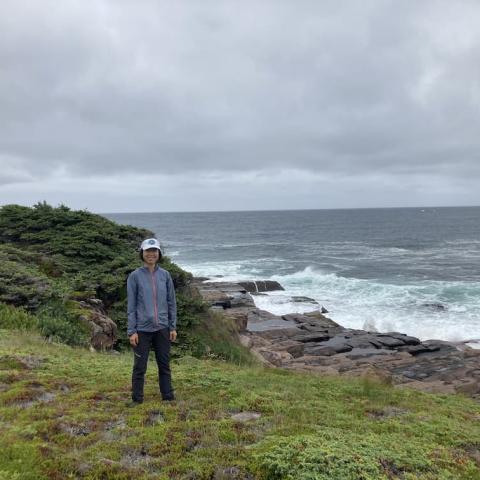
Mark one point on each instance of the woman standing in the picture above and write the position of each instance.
(152, 320)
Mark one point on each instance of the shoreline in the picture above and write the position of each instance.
(314, 342)
(301, 299)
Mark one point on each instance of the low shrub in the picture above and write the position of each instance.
(13, 318)
(58, 322)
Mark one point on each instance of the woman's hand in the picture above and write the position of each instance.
(173, 335)
(133, 339)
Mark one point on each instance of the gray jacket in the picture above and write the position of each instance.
(151, 301)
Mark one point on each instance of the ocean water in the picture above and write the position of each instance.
(413, 270)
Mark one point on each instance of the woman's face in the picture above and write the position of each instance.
(150, 256)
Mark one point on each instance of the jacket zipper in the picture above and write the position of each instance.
(155, 307)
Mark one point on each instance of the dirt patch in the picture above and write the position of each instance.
(387, 412)
(19, 362)
(231, 473)
(114, 430)
(155, 417)
(75, 430)
(473, 451)
(391, 470)
(192, 440)
(35, 395)
(137, 458)
(246, 416)
(12, 378)
(63, 387)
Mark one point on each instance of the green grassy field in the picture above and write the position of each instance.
(63, 415)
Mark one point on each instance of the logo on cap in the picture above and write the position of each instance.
(151, 242)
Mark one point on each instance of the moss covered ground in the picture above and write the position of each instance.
(63, 415)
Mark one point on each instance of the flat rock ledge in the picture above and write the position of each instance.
(315, 343)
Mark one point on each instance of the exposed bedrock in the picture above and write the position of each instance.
(313, 342)
(103, 329)
(261, 286)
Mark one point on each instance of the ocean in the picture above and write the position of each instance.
(411, 270)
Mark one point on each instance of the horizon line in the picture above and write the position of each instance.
(294, 209)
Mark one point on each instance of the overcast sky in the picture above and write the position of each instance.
(116, 105)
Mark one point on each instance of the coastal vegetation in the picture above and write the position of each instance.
(62, 406)
(63, 415)
(61, 269)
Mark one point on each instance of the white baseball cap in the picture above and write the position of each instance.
(150, 243)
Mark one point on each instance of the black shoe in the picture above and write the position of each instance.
(168, 399)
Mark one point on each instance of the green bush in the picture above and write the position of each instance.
(311, 457)
(49, 256)
(12, 318)
(60, 321)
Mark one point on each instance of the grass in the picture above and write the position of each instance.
(63, 415)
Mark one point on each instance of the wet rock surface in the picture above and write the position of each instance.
(259, 286)
(313, 342)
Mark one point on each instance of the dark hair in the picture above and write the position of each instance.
(159, 256)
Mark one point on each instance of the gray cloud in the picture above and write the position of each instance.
(344, 88)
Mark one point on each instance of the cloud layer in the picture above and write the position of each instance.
(182, 92)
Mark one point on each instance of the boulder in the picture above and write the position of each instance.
(295, 349)
(256, 315)
(300, 299)
(103, 329)
(274, 357)
(311, 337)
(389, 341)
(362, 353)
(439, 307)
(240, 317)
(256, 286)
(319, 351)
(225, 294)
(277, 333)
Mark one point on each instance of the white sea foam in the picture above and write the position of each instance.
(429, 309)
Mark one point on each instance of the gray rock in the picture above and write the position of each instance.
(225, 294)
(389, 341)
(294, 348)
(338, 343)
(359, 353)
(439, 307)
(240, 317)
(318, 350)
(300, 299)
(311, 337)
(256, 315)
(278, 333)
(261, 286)
(414, 349)
(267, 325)
(405, 339)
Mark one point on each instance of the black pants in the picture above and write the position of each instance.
(160, 341)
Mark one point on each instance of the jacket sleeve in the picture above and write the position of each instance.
(132, 287)
(172, 304)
